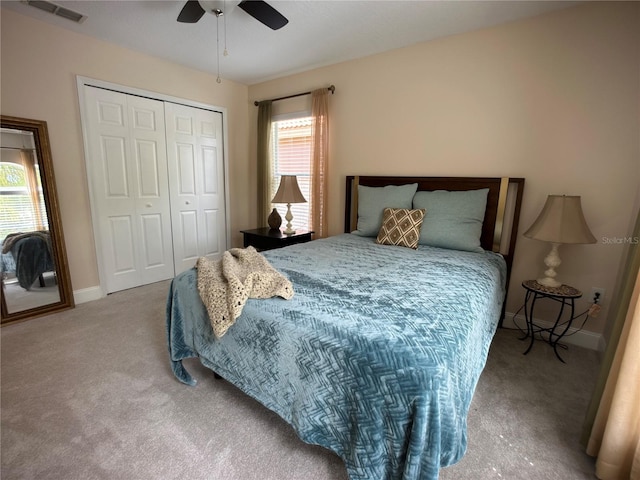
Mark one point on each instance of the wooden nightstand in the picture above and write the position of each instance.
(267, 239)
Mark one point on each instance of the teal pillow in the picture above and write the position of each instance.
(453, 219)
(373, 200)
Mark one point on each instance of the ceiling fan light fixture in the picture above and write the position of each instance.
(193, 10)
(217, 7)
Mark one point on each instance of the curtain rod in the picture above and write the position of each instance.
(332, 89)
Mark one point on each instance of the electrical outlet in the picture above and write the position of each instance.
(597, 295)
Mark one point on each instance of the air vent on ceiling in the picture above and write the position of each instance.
(58, 10)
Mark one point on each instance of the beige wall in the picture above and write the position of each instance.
(554, 99)
(40, 63)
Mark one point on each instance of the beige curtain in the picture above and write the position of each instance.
(614, 437)
(265, 165)
(29, 163)
(319, 160)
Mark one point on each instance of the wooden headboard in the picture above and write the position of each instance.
(502, 214)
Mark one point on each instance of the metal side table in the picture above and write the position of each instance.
(566, 296)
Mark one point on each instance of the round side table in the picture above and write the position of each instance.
(565, 295)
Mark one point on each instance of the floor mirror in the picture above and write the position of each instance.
(33, 263)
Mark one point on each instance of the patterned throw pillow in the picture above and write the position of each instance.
(401, 226)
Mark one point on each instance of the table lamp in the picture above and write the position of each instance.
(288, 192)
(561, 221)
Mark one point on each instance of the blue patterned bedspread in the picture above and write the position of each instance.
(7, 263)
(376, 357)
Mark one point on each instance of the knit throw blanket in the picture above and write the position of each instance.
(225, 285)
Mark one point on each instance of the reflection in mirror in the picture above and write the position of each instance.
(28, 271)
(33, 267)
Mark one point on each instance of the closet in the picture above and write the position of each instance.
(157, 184)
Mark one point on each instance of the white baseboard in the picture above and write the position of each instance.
(581, 338)
(87, 294)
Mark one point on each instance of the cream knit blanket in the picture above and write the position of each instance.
(225, 285)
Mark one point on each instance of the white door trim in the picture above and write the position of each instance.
(81, 83)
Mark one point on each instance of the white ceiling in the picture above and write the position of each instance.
(319, 32)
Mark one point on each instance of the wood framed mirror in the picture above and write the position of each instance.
(33, 265)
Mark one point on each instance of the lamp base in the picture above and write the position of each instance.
(289, 230)
(552, 260)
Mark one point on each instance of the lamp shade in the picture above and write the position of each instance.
(561, 221)
(288, 191)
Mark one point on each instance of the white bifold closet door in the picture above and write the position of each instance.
(157, 186)
(130, 189)
(196, 182)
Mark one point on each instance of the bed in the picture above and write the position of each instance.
(378, 353)
(28, 256)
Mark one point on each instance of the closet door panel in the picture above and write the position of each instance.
(155, 260)
(212, 239)
(152, 229)
(196, 183)
(121, 244)
(114, 163)
(212, 197)
(148, 169)
(184, 201)
(189, 228)
(210, 180)
(186, 170)
(130, 197)
(112, 187)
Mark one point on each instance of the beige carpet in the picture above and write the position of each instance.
(88, 394)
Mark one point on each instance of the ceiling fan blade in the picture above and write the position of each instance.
(191, 12)
(265, 13)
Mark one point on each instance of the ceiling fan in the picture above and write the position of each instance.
(193, 10)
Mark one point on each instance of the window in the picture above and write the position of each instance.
(17, 212)
(291, 153)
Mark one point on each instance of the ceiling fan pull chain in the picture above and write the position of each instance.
(224, 19)
(219, 80)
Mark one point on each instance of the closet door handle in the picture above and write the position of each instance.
(148, 205)
(187, 202)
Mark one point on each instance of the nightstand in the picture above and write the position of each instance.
(267, 239)
(565, 295)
